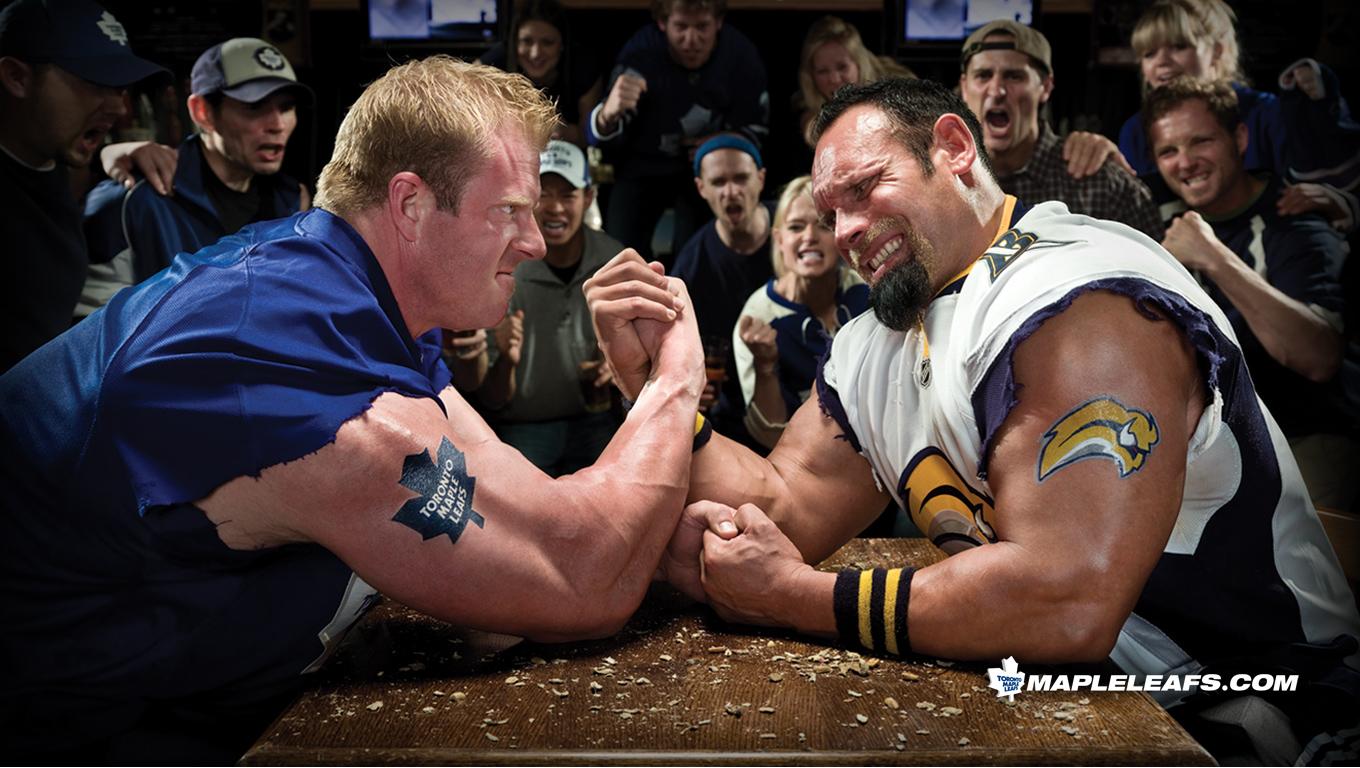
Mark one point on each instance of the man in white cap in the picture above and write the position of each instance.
(64, 66)
(244, 106)
(548, 391)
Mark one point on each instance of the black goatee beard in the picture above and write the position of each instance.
(900, 298)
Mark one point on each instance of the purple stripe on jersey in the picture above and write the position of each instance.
(995, 396)
(830, 402)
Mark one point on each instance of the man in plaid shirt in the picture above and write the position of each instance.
(1007, 76)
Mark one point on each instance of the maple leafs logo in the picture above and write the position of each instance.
(1007, 679)
(112, 29)
(444, 505)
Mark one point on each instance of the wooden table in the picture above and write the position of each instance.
(678, 686)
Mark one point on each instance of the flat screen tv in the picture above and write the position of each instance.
(923, 22)
(466, 22)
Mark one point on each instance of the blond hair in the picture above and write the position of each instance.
(792, 191)
(833, 29)
(434, 117)
(1192, 22)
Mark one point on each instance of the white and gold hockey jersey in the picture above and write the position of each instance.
(1247, 576)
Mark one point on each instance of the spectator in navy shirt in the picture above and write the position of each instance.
(725, 262)
(675, 83)
(1277, 278)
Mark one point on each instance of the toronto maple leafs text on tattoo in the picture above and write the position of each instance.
(444, 503)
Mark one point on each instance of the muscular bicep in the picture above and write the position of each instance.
(432, 511)
(813, 485)
(1089, 465)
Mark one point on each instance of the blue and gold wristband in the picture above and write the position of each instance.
(871, 608)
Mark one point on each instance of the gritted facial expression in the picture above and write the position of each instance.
(885, 210)
(691, 36)
(1005, 92)
(731, 184)
(1200, 160)
(538, 48)
(74, 114)
(833, 67)
(253, 136)
(1167, 62)
(806, 244)
(470, 257)
(561, 209)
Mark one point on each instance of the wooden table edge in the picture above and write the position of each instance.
(269, 755)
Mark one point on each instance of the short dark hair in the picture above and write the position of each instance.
(661, 9)
(1217, 95)
(913, 106)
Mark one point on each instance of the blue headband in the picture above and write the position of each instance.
(726, 141)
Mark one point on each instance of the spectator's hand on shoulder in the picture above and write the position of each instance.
(1086, 152)
(1304, 75)
(155, 162)
(1310, 198)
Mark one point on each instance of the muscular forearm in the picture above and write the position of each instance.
(1291, 333)
(818, 517)
(728, 472)
(628, 502)
(998, 600)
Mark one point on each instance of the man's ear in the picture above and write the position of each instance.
(699, 186)
(410, 203)
(1045, 89)
(589, 193)
(1243, 137)
(16, 77)
(953, 147)
(201, 112)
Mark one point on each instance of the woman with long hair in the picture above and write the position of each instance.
(834, 55)
(539, 49)
(787, 324)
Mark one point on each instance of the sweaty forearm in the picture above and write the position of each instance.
(728, 472)
(998, 600)
(632, 496)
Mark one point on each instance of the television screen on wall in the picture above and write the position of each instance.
(474, 22)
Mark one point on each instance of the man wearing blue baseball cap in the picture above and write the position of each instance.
(725, 261)
(243, 102)
(63, 67)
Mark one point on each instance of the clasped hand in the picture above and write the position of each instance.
(737, 560)
(634, 308)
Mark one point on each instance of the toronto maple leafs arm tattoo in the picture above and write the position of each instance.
(445, 492)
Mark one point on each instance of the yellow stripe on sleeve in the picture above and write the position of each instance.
(890, 610)
(866, 591)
